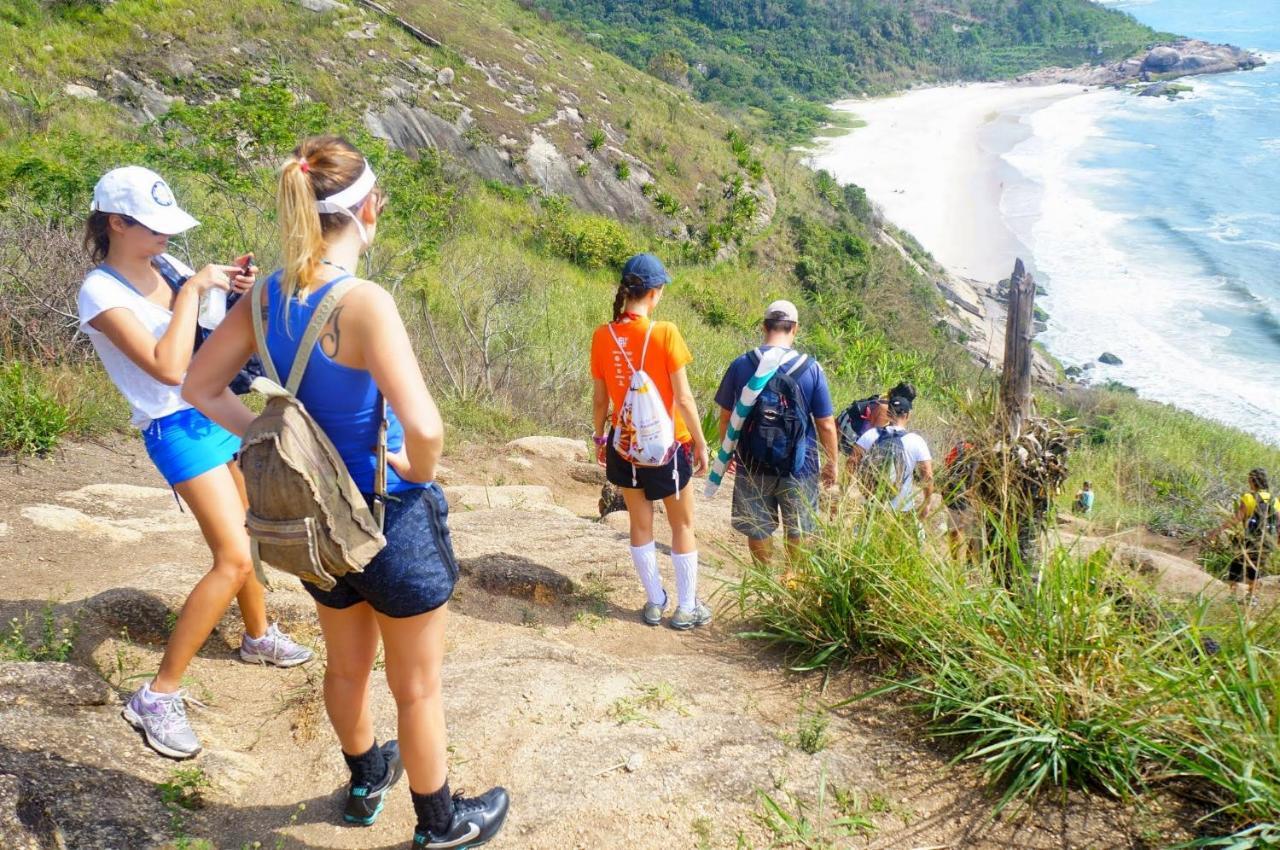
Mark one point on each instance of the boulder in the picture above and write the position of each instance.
(1110, 359)
(1155, 90)
(1161, 59)
(50, 683)
(513, 575)
(445, 76)
(79, 91)
(560, 449)
(587, 473)
(322, 5)
(14, 834)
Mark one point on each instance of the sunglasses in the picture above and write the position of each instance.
(133, 222)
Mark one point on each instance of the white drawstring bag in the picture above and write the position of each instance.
(645, 435)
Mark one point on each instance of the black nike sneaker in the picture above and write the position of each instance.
(475, 821)
(364, 803)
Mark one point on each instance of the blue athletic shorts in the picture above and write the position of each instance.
(415, 572)
(187, 443)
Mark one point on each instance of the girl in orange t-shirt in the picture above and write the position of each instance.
(640, 290)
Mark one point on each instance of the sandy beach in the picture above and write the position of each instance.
(931, 159)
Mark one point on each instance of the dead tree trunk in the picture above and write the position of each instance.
(1024, 513)
(1015, 383)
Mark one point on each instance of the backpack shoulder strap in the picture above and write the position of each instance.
(337, 291)
(259, 312)
(167, 271)
(644, 351)
(622, 349)
(799, 366)
(755, 356)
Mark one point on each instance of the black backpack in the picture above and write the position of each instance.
(773, 438)
(883, 468)
(240, 383)
(852, 422)
(1261, 525)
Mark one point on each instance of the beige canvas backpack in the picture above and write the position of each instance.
(306, 515)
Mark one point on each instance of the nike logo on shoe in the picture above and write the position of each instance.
(471, 835)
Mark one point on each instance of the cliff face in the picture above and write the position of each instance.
(1180, 58)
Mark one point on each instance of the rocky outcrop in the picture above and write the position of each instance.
(550, 448)
(1165, 61)
(141, 98)
(50, 684)
(1110, 359)
(412, 128)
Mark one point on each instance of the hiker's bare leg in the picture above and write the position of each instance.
(640, 515)
(680, 516)
(351, 645)
(215, 503)
(761, 551)
(252, 596)
(414, 649)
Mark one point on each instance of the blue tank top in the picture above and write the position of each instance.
(343, 401)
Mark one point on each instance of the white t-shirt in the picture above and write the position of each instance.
(148, 398)
(917, 451)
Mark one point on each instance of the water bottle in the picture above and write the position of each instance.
(213, 308)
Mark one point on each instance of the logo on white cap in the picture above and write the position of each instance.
(162, 194)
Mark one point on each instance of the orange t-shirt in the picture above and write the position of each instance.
(667, 353)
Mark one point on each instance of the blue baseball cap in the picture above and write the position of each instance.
(648, 268)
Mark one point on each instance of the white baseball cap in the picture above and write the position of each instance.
(786, 308)
(143, 196)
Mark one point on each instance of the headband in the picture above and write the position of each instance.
(342, 202)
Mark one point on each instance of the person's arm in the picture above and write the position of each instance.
(166, 359)
(830, 441)
(1241, 516)
(688, 408)
(725, 416)
(599, 414)
(390, 359)
(217, 362)
(926, 485)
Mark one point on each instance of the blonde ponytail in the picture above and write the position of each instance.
(320, 167)
(301, 235)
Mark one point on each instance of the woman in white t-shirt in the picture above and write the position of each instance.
(138, 306)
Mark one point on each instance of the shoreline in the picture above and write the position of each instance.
(932, 160)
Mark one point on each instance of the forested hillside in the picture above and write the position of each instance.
(786, 58)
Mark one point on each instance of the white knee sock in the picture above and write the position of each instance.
(686, 578)
(646, 560)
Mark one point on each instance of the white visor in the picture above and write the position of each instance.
(342, 202)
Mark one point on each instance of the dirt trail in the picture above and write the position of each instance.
(609, 734)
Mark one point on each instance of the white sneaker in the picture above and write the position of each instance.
(275, 648)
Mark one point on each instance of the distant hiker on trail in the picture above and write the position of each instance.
(139, 308)
(329, 205)
(1257, 513)
(653, 442)
(891, 457)
(865, 415)
(1083, 503)
(779, 465)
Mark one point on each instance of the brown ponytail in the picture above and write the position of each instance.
(630, 288)
(320, 167)
(97, 235)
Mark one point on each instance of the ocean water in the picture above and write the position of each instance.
(1155, 224)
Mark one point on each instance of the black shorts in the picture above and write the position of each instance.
(1244, 564)
(415, 572)
(658, 482)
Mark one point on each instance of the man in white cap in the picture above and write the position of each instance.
(780, 467)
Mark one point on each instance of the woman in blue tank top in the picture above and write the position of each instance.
(328, 206)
